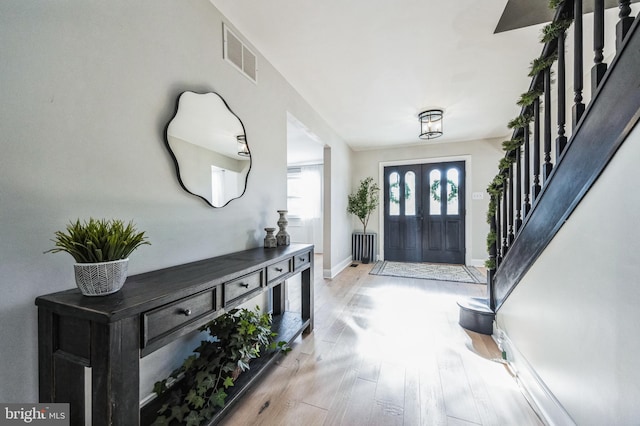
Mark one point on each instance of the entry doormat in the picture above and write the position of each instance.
(430, 271)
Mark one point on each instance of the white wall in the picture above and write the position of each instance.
(482, 157)
(87, 88)
(574, 317)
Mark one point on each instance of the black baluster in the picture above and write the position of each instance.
(547, 167)
(578, 106)
(493, 250)
(535, 190)
(527, 200)
(624, 23)
(598, 70)
(518, 189)
(493, 259)
(511, 204)
(505, 209)
(497, 219)
(561, 140)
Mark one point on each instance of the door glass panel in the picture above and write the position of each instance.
(394, 194)
(410, 194)
(434, 193)
(453, 202)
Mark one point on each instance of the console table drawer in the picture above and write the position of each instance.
(241, 286)
(301, 260)
(277, 270)
(164, 319)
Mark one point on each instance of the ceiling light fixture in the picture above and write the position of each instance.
(430, 124)
(243, 148)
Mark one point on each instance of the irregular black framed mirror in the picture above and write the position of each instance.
(209, 147)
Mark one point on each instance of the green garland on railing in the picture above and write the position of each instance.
(513, 144)
(540, 64)
(554, 4)
(520, 121)
(496, 187)
(528, 98)
(505, 163)
(552, 30)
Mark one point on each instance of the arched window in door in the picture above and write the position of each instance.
(410, 194)
(394, 194)
(453, 182)
(434, 197)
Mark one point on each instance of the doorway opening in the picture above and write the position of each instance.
(305, 185)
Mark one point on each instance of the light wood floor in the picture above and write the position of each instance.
(386, 351)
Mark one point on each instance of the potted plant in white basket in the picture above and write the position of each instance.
(361, 204)
(101, 249)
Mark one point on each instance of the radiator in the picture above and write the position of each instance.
(357, 245)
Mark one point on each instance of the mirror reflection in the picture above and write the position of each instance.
(209, 146)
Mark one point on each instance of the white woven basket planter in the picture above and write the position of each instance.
(99, 279)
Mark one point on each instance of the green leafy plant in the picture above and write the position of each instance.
(237, 337)
(364, 201)
(96, 240)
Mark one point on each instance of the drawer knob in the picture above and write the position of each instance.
(279, 269)
(186, 312)
(302, 259)
(245, 285)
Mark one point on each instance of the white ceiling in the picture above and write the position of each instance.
(368, 67)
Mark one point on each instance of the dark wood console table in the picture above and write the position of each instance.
(89, 348)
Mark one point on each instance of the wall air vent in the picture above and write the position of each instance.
(239, 55)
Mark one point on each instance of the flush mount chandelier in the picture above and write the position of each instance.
(430, 124)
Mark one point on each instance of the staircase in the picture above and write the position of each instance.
(548, 169)
(565, 240)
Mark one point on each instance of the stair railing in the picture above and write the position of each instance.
(528, 166)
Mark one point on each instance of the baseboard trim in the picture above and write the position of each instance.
(331, 273)
(539, 396)
(476, 262)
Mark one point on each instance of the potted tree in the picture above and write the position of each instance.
(361, 204)
(101, 249)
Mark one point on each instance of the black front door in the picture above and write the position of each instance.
(424, 218)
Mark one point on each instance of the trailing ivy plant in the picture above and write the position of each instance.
(98, 240)
(201, 383)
